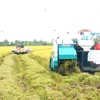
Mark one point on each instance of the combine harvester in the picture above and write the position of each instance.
(21, 50)
(82, 52)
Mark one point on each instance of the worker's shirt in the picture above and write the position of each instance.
(97, 47)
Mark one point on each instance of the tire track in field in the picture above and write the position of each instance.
(38, 78)
(8, 87)
(12, 85)
(28, 92)
(2, 57)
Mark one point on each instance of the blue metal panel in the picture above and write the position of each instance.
(67, 52)
(55, 61)
(68, 56)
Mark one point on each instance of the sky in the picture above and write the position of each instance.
(47, 19)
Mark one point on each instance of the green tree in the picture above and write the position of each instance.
(6, 42)
(12, 43)
(17, 42)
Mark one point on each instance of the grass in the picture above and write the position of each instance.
(27, 77)
(42, 51)
(74, 86)
(8, 87)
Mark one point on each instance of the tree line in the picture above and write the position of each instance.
(25, 43)
(35, 42)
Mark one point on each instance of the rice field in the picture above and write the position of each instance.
(27, 77)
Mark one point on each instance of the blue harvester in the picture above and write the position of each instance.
(61, 52)
(80, 50)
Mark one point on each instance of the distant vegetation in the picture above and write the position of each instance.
(36, 42)
(26, 43)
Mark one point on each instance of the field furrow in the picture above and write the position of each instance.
(12, 86)
(8, 86)
(40, 79)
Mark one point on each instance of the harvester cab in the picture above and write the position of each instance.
(86, 54)
(86, 38)
(19, 47)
